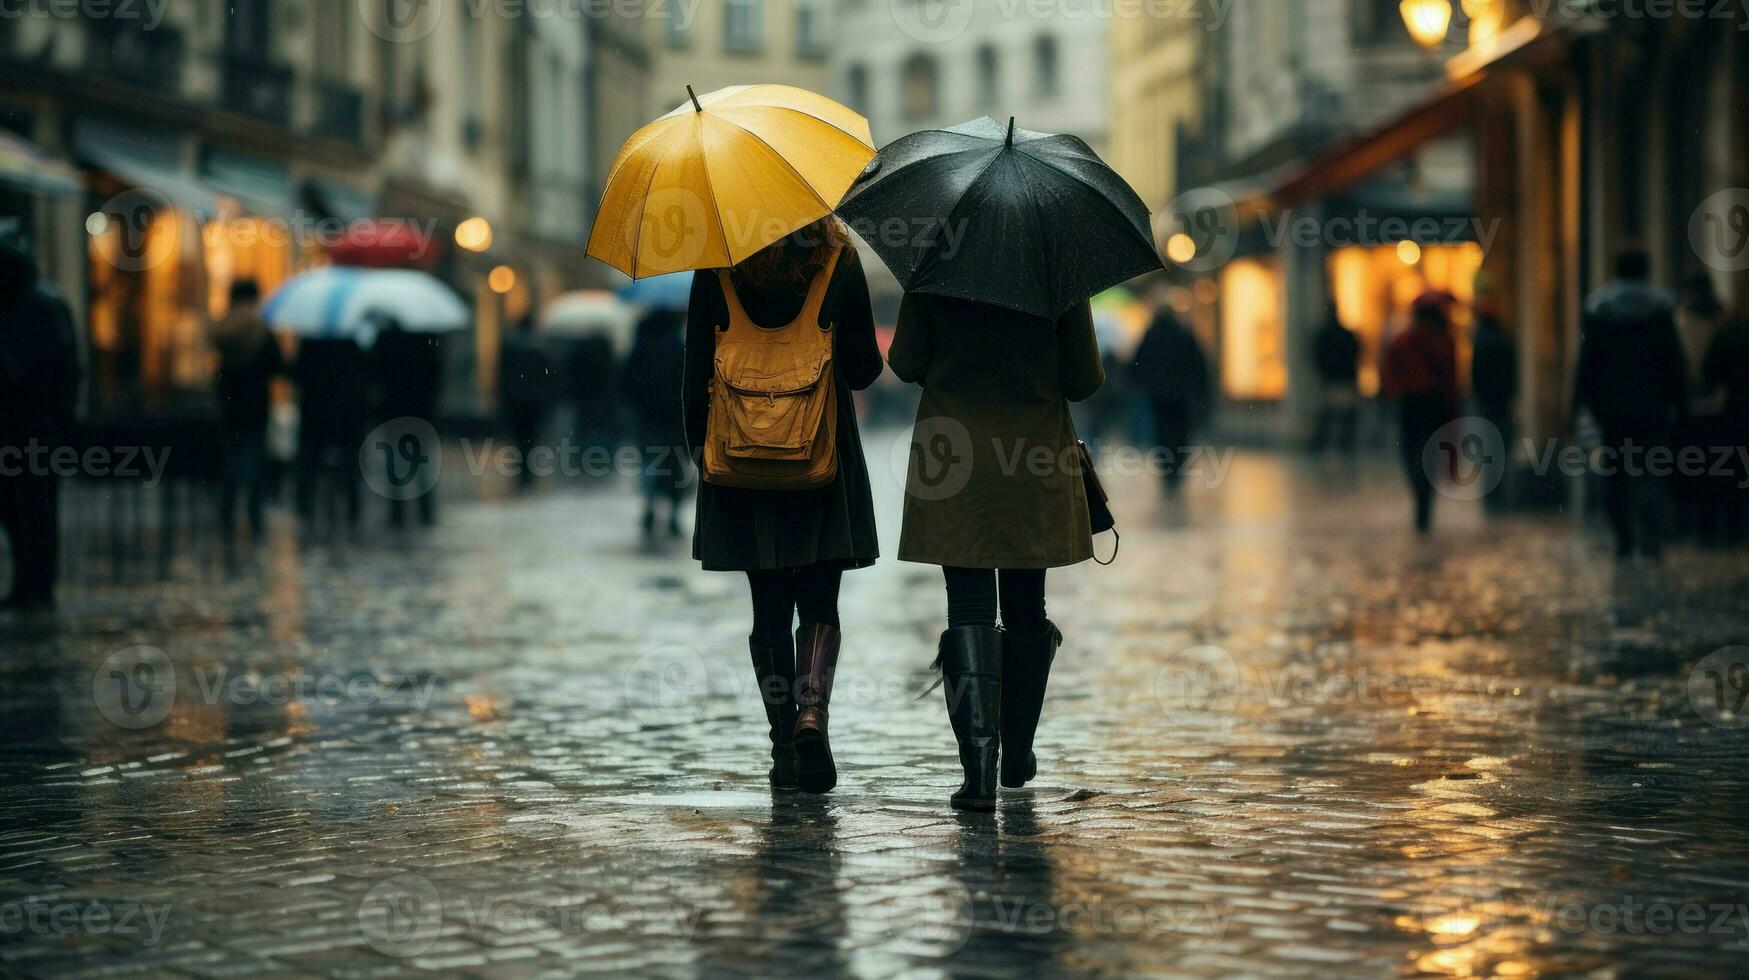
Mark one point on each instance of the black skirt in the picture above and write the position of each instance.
(738, 529)
(742, 530)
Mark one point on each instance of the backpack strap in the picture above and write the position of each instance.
(817, 289)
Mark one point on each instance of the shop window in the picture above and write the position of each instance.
(1253, 338)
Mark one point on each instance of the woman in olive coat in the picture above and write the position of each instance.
(995, 496)
(793, 545)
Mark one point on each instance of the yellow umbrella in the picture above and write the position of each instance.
(724, 175)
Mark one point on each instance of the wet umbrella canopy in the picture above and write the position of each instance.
(1029, 221)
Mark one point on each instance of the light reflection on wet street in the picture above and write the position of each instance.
(1285, 738)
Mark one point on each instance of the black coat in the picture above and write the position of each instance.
(994, 479)
(739, 529)
(1632, 374)
(652, 375)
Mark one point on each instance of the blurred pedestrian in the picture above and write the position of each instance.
(39, 383)
(249, 359)
(1700, 504)
(589, 377)
(333, 380)
(1494, 383)
(1336, 356)
(409, 372)
(1632, 378)
(1421, 374)
(525, 387)
(996, 390)
(1170, 369)
(794, 544)
(651, 379)
(1727, 372)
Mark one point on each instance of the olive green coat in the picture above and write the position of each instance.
(994, 479)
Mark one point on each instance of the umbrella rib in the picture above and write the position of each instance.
(790, 166)
(704, 160)
(1096, 191)
(809, 115)
(643, 202)
(929, 256)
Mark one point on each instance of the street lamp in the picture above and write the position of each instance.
(1427, 20)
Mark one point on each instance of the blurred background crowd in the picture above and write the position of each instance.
(1324, 174)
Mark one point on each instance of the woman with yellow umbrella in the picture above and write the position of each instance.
(740, 185)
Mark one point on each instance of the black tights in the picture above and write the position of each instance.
(779, 595)
(972, 595)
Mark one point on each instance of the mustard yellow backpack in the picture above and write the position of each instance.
(773, 421)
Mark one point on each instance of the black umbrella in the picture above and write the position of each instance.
(1029, 221)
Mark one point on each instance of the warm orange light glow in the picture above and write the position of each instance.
(1408, 252)
(502, 279)
(1253, 341)
(1428, 21)
(474, 234)
(1181, 248)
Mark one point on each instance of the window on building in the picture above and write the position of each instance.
(249, 29)
(471, 79)
(856, 88)
(742, 27)
(811, 28)
(1045, 66)
(989, 77)
(1379, 22)
(920, 81)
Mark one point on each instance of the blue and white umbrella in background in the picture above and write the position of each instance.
(671, 291)
(345, 302)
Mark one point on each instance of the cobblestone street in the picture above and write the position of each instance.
(1284, 738)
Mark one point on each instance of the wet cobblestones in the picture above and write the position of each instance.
(1285, 738)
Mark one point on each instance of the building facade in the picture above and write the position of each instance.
(241, 138)
(1281, 83)
(739, 42)
(920, 64)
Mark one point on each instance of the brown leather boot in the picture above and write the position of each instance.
(776, 669)
(816, 662)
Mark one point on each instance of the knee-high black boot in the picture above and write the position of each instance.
(816, 663)
(776, 669)
(1026, 667)
(971, 671)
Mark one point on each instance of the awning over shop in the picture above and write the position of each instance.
(147, 159)
(27, 167)
(1525, 44)
(260, 184)
(1349, 161)
(340, 202)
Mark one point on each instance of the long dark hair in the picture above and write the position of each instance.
(791, 261)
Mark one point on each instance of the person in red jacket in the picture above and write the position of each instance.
(1421, 374)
